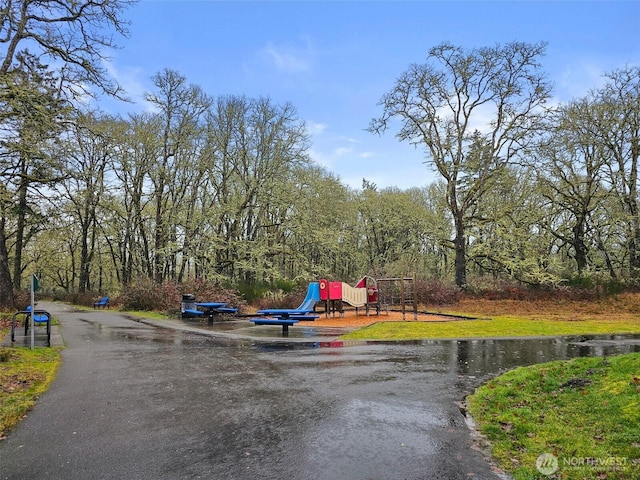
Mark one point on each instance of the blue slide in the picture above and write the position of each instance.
(313, 296)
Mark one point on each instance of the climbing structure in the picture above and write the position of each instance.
(398, 293)
(364, 294)
(385, 293)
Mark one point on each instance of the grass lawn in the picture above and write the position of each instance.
(510, 318)
(24, 375)
(581, 415)
(504, 326)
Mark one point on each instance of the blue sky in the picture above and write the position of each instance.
(333, 60)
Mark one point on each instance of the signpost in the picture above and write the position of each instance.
(34, 287)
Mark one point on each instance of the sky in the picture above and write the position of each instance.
(334, 60)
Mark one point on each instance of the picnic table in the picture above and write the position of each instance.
(288, 313)
(214, 308)
(284, 317)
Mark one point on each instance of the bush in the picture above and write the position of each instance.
(146, 295)
(5, 354)
(252, 292)
(434, 292)
(84, 298)
(21, 298)
(587, 287)
(210, 291)
(257, 292)
(281, 299)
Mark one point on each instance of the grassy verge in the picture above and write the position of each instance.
(503, 326)
(24, 375)
(149, 314)
(582, 415)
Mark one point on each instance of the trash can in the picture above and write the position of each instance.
(188, 303)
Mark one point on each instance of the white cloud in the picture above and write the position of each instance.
(129, 79)
(329, 158)
(382, 160)
(288, 59)
(315, 128)
(578, 78)
(342, 151)
(320, 158)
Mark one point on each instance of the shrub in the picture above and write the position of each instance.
(5, 354)
(21, 299)
(256, 292)
(252, 292)
(435, 292)
(210, 291)
(5, 322)
(282, 299)
(146, 295)
(84, 298)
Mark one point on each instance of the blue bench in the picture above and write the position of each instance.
(305, 318)
(227, 310)
(102, 303)
(285, 323)
(192, 313)
(37, 317)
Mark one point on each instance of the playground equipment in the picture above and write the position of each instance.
(312, 297)
(371, 293)
(394, 292)
(364, 294)
(285, 317)
(368, 292)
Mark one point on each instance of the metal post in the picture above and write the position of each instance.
(415, 297)
(402, 295)
(33, 310)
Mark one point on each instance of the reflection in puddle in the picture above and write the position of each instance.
(470, 358)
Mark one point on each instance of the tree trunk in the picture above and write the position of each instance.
(579, 245)
(6, 286)
(20, 226)
(460, 243)
(85, 265)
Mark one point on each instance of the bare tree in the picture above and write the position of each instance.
(472, 112)
(76, 34)
(182, 109)
(72, 34)
(617, 127)
(569, 169)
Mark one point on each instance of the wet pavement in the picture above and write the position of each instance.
(134, 401)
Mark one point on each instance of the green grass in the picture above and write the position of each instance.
(503, 326)
(585, 412)
(24, 375)
(149, 314)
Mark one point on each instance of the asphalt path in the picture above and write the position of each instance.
(134, 401)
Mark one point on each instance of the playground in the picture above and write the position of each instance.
(350, 320)
(338, 304)
(333, 305)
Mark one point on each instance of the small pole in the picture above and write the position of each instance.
(402, 295)
(415, 297)
(33, 310)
